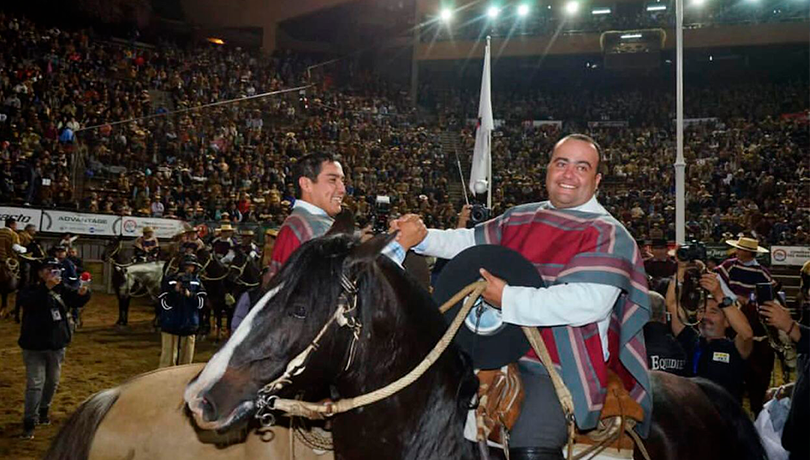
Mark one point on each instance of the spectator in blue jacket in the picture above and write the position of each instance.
(181, 299)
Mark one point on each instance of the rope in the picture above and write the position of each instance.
(321, 410)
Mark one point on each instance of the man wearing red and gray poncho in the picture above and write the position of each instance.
(592, 312)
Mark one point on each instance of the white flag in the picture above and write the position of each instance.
(479, 175)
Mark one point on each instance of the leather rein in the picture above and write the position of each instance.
(345, 316)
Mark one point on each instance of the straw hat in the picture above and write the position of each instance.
(148, 230)
(271, 232)
(747, 244)
(225, 228)
(246, 232)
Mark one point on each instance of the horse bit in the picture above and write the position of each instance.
(346, 316)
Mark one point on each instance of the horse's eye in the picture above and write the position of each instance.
(299, 312)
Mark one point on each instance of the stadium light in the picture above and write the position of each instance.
(629, 36)
(572, 7)
(493, 12)
(598, 11)
(446, 14)
(523, 10)
(657, 8)
(698, 3)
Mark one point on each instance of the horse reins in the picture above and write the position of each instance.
(345, 316)
(267, 401)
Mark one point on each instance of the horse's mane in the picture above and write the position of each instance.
(380, 282)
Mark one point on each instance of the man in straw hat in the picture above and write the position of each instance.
(247, 245)
(595, 305)
(190, 241)
(146, 246)
(740, 274)
(223, 245)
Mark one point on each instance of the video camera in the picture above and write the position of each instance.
(479, 213)
(380, 214)
(691, 252)
(692, 296)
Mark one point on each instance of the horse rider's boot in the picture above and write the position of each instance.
(535, 453)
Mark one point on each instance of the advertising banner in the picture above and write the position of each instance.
(608, 124)
(24, 216)
(790, 255)
(79, 223)
(164, 228)
(537, 123)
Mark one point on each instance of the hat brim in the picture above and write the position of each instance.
(506, 343)
(759, 250)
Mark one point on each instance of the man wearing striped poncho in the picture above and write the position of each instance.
(592, 312)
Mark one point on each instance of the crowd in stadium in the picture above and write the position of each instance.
(235, 158)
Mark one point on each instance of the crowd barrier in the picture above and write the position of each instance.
(109, 225)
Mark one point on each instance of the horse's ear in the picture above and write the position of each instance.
(372, 248)
(343, 225)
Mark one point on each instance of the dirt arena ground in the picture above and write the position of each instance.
(100, 356)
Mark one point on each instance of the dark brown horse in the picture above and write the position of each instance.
(224, 284)
(399, 325)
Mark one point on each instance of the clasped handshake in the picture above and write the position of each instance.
(412, 231)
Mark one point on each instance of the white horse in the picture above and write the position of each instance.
(148, 276)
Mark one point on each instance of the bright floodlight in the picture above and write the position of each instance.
(657, 8)
(599, 11)
(446, 14)
(523, 10)
(697, 2)
(572, 7)
(493, 11)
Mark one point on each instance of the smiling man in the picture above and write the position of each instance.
(596, 302)
(319, 189)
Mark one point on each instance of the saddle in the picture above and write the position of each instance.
(500, 398)
(620, 412)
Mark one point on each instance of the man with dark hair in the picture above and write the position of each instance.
(319, 188)
(660, 267)
(664, 353)
(595, 305)
(710, 353)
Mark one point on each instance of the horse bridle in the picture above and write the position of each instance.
(346, 317)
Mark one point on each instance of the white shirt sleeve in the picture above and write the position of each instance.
(446, 243)
(726, 290)
(575, 304)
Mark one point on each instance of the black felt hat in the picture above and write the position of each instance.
(489, 341)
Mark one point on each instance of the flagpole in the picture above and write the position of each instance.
(489, 134)
(680, 164)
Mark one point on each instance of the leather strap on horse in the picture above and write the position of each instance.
(563, 394)
(329, 408)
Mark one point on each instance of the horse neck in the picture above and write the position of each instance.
(421, 421)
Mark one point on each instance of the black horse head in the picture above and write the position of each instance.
(399, 325)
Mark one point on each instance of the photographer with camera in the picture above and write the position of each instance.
(44, 335)
(181, 299)
(794, 436)
(710, 353)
